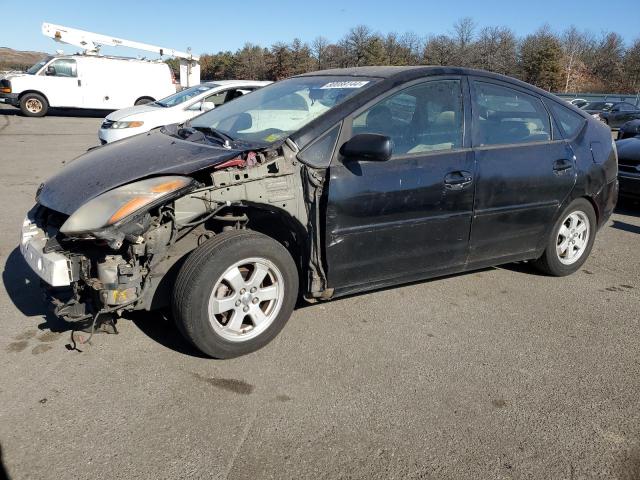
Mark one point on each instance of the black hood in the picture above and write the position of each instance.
(105, 168)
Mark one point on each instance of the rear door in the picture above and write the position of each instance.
(63, 85)
(393, 220)
(523, 173)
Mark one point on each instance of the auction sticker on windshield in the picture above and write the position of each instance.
(348, 84)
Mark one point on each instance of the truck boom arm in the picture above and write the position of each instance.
(91, 42)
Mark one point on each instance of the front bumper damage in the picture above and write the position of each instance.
(133, 265)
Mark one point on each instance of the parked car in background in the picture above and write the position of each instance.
(578, 102)
(318, 186)
(629, 129)
(86, 81)
(595, 108)
(176, 108)
(629, 166)
(620, 113)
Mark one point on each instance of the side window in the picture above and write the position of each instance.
(506, 116)
(570, 122)
(65, 67)
(217, 98)
(423, 118)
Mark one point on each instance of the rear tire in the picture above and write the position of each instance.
(570, 241)
(235, 293)
(34, 105)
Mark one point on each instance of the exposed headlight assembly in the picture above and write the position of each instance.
(117, 204)
(130, 124)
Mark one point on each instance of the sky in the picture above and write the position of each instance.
(211, 26)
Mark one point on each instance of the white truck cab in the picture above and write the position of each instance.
(87, 81)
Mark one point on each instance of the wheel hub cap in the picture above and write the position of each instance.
(573, 237)
(246, 299)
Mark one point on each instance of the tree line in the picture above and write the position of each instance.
(569, 61)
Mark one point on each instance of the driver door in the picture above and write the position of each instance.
(64, 88)
(402, 218)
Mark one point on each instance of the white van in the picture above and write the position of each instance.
(87, 81)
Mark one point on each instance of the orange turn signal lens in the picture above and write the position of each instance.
(168, 186)
(129, 207)
(5, 89)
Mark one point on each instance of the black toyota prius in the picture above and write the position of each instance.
(324, 184)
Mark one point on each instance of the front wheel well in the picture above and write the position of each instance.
(22, 94)
(144, 99)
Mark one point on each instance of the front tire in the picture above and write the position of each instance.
(571, 240)
(235, 293)
(34, 105)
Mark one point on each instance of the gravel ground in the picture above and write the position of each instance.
(501, 373)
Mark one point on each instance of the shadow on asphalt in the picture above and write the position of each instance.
(23, 288)
(61, 112)
(627, 227)
(159, 327)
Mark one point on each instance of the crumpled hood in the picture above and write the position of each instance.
(137, 110)
(112, 165)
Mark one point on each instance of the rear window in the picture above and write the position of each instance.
(570, 122)
(506, 116)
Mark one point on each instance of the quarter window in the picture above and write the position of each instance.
(424, 118)
(506, 116)
(570, 122)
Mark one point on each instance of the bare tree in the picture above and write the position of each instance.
(496, 50)
(355, 44)
(574, 45)
(319, 51)
(632, 66)
(440, 50)
(464, 30)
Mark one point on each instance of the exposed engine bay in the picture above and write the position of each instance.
(131, 264)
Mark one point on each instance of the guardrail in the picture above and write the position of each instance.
(603, 97)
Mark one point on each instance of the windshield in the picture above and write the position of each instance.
(184, 95)
(276, 111)
(33, 70)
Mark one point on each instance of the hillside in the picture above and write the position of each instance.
(11, 59)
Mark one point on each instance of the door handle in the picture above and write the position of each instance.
(79, 82)
(457, 180)
(562, 165)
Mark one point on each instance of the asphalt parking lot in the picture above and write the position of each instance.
(501, 373)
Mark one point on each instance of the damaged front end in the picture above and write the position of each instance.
(121, 250)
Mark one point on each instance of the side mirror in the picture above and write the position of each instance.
(367, 146)
(206, 106)
(51, 70)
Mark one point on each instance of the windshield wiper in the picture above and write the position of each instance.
(161, 104)
(226, 139)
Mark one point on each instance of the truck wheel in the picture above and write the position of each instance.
(143, 101)
(234, 293)
(570, 241)
(34, 105)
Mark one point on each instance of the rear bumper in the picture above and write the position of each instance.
(10, 98)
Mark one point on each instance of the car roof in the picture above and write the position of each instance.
(408, 73)
(238, 82)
